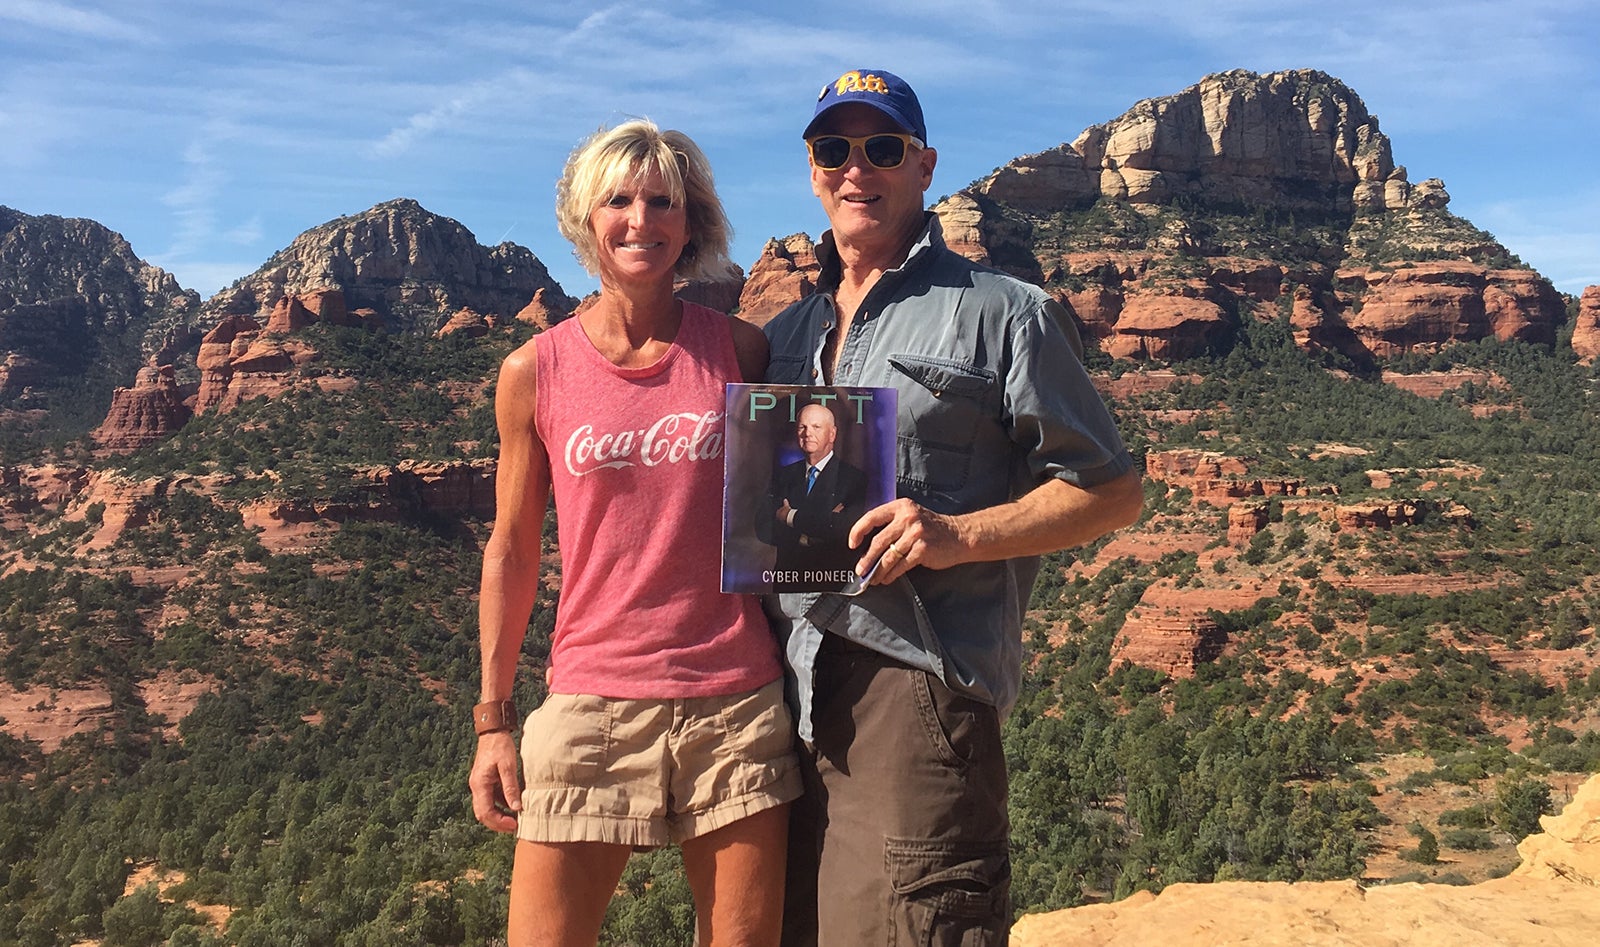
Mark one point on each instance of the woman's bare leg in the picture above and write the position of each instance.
(559, 892)
(736, 874)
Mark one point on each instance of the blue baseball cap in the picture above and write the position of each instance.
(884, 91)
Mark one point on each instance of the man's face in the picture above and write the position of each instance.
(816, 431)
(869, 207)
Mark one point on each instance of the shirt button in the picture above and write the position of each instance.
(813, 373)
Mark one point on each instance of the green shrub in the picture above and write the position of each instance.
(1466, 840)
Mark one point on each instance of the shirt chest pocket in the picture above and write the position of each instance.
(789, 370)
(944, 418)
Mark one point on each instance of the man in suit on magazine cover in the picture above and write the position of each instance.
(811, 505)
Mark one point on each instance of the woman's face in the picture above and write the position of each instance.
(639, 233)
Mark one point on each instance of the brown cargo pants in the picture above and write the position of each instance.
(901, 836)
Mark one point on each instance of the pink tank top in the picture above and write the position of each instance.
(636, 465)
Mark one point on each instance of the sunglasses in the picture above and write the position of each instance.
(885, 151)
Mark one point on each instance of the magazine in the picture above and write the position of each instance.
(802, 464)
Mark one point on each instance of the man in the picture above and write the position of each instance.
(811, 505)
(1005, 452)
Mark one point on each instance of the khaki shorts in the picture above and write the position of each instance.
(650, 772)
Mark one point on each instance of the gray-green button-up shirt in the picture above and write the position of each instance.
(993, 401)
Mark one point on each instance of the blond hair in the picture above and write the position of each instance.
(611, 158)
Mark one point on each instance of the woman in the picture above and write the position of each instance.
(665, 720)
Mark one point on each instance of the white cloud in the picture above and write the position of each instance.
(303, 110)
(28, 131)
(65, 18)
(193, 201)
(247, 233)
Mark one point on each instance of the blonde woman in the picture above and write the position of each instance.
(665, 721)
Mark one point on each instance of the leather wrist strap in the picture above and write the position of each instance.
(494, 716)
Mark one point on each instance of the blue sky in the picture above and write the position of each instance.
(211, 132)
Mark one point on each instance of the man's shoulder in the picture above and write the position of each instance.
(791, 317)
(988, 279)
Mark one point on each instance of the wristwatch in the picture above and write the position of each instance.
(494, 716)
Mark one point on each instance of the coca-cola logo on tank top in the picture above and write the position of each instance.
(674, 438)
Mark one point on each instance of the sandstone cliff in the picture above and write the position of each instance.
(1248, 196)
(411, 267)
(1549, 900)
(786, 271)
(239, 360)
(1586, 333)
(149, 411)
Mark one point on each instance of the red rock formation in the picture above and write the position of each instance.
(787, 272)
(257, 367)
(1586, 333)
(1377, 312)
(1096, 308)
(1436, 384)
(1129, 384)
(1522, 305)
(471, 324)
(216, 355)
(538, 312)
(1244, 522)
(1166, 327)
(1219, 480)
(1379, 514)
(1420, 308)
(49, 714)
(288, 315)
(49, 485)
(1174, 466)
(26, 490)
(327, 305)
(128, 503)
(1257, 280)
(239, 360)
(148, 412)
(454, 488)
(216, 347)
(1167, 641)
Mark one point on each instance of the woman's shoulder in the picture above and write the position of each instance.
(519, 372)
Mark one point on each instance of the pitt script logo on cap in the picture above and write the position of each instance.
(854, 81)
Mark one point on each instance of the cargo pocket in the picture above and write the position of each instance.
(947, 894)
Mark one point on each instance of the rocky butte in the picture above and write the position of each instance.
(411, 267)
(78, 309)
(1243, 196)
(395, 267)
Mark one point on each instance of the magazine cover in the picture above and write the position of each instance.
(802, 464)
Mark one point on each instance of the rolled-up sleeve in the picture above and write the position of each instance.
(1054, 413)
